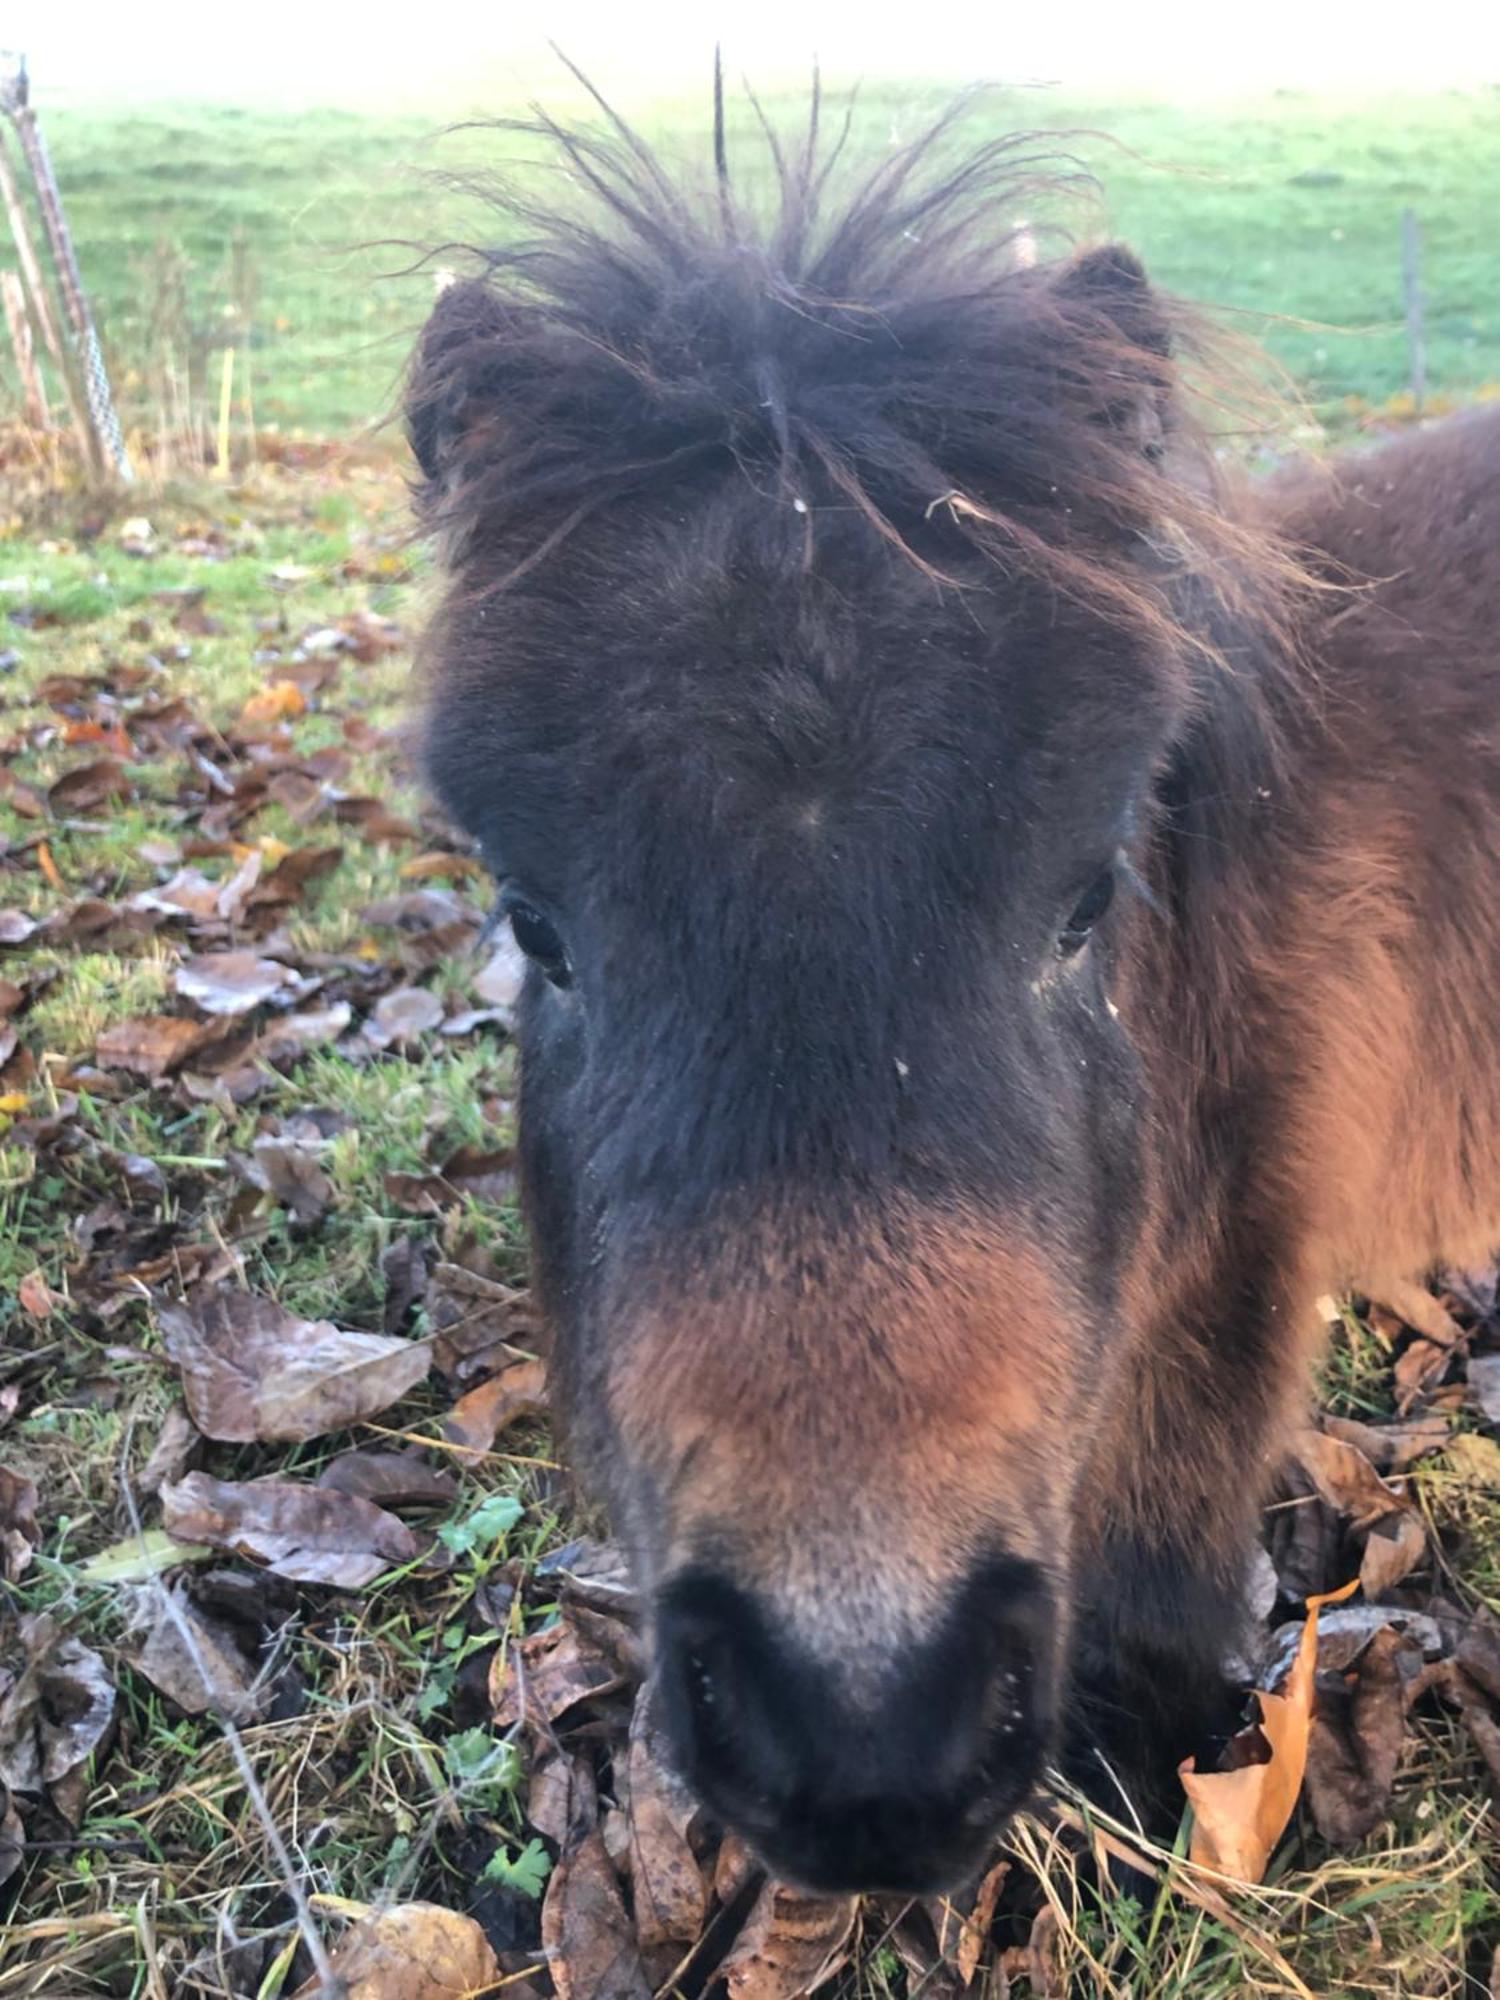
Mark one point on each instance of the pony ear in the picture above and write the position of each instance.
(450, 391)
(1109, 288)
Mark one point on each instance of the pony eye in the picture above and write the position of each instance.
(537, 936)
(1087, 912)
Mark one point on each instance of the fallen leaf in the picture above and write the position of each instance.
(668, 1892)
(88, 785)
(152, 1046)
(1393, 1549)
(471, 1173)
(1239, 1815)
(791, 1944)
(19, 1534)
(455, 867)
(391, 1478)
(1416, 1307)
(57, 1703)
(583, 1657)
(290, 1167)
(975, 1931)
(499, 980)
(1393, 1447)
(36, 1295)
(15, 927)
(1355, 1741)
(253, 1371)
(221, 1680)
(413, 1951)
(308, 1534)
(1484, 1385)
(403, 1016)
(1346, 1479)
(478, 1418)
(177, 1443)
(12, 1836)
(477, 1323)
(232, 982)
(274, 703)
(140, 1557)
(562, 1800)
(1474, 1458)
(586, 1933)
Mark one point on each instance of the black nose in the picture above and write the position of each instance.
(895, 1777)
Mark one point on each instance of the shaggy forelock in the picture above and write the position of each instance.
(867, 339)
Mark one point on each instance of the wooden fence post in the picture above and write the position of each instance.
(13, 295)
(41, 307)
(15, 99)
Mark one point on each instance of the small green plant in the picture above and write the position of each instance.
(490, 1522)
(525, 1871)
(484, 1770)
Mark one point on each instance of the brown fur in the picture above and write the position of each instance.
(832, 601)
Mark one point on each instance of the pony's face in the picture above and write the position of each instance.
(815, 822)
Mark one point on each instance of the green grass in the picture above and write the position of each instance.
(1287, 205)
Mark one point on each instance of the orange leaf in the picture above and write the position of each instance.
(274, 702)
(1238, 1816)
(48, 866)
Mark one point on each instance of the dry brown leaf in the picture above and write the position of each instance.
(390, 1478)
(19, 1533)
(12, 1836)
(499, 980)
(15, 927)
(232, 982)
(975, 1927)
(56, 1703)
(88, 785)
(290, 1167)
(477, 1323)
(583, 1656)
(454, 867)
(414, 1951)
(1476, 1459)
(176, 1444)
(166, 1660)
(1355, 1741)
(668, 1892)
(1484, 1385)
(791, 1944)
(1393, 1549)
(1346, 1479)
(403, 1016)
(1238, 1816)
(1393, 1447)
(36, 1295)
(251, 1371)
(152, 1046)
(478, 1418)
(471, 1172)
(1416, 1307)
(562, 1800)
(308, 1534)
(274, 703)
(586, 1933)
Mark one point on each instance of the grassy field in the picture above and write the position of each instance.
(1287, 209)
(138, 748)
